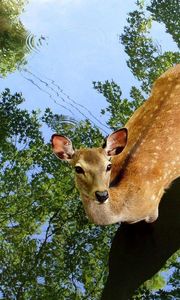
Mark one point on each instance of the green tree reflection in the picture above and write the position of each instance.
(48, 249)
(13, 35)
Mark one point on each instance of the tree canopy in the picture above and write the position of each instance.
(16, 42)
(48, 248)
(167, 13)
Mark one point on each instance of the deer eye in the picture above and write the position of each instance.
(109, 167)
(79, 170)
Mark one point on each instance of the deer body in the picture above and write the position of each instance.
(149, 162)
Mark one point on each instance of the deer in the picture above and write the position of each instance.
(125, 179)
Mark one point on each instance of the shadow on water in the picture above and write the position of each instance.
(140, 250)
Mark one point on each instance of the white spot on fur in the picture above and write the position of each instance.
(154, 161)
(153, 197)
(158, 148)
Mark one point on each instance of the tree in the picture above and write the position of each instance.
(14, 47)
(167, 12)
(146, 60)
(154, 288)
(48, 248)
(119, 110)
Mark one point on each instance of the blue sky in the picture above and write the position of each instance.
(81, 46)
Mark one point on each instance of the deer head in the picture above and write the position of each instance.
(92, 165)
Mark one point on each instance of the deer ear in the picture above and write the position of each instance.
(62, 147)
(116, 142)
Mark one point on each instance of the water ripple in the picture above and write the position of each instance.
(33, 43)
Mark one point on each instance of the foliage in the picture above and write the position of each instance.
(13, 36)
(145, 59)
(167, 12)
(119, 109)
(154, 288)
(48, 248)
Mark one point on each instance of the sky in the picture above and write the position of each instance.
(81, 45)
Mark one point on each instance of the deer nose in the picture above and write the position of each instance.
(101, 196)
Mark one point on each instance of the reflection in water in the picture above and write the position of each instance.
(15, 41)
(140, 250)
(57, 95)
(48, 250)
(12, 37)
(33, 43)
